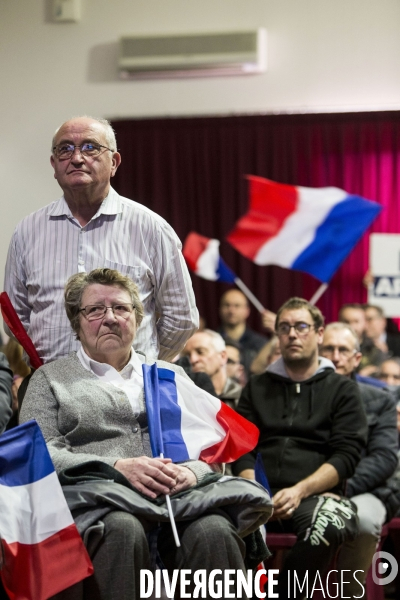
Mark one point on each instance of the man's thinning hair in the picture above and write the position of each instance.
(78, 283)
(108, 131)
(340, 326)
(217, 340)
(296, 303)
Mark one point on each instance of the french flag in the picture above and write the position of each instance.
(43, 552)
(202, 256)
(307, 229)
(185, 422)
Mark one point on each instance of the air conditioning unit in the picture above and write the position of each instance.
(196, 55)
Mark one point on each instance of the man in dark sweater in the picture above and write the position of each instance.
(312, 429)
(234, 311)
(367, 487)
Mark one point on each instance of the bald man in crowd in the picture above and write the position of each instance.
(92, 226)
(206, 352)
(234, 310)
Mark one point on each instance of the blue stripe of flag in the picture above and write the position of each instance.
(171, 417)
(224, 273)
(163, 413)
(336, 237)
(152, 398)
(24, 457)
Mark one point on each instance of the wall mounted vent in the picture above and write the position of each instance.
(196, 55)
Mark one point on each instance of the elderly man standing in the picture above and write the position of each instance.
(92, 226)
(206, 351)
(312, 429)
(367, 487)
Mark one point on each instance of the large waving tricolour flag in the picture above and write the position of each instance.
(43, 552)
(308, 229)
(202, 256)
(185, 422)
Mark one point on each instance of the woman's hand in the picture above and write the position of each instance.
(151, 476)
(185, 479)
(156, 476)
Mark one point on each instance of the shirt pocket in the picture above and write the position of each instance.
(130, 271)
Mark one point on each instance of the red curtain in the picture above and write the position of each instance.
(192, 172)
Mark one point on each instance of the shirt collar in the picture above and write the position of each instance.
(111, 205)
(100, 369)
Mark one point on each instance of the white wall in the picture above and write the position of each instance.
(323, 55)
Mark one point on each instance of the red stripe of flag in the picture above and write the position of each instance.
(270, 204)
(241, 437)
(39, 571)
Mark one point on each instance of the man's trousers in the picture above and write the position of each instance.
(321, 525)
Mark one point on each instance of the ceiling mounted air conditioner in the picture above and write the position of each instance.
(196, 55)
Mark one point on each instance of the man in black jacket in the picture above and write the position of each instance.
(312, 429)
(367, 487)
(234, 310)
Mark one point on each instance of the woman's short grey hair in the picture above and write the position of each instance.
(108, 131)
(78, 283)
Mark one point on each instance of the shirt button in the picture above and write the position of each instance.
(135, 429)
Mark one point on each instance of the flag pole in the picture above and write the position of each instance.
(249, 295)
(322, 288)
(171, 516)
(152, 400)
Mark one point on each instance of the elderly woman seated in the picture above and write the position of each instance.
(90, 407)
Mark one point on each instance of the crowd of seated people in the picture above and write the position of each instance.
(321, 426)
(236, 358)
(365, 353)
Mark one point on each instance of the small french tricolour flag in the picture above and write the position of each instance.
(185, 422)
(202, 256)
(308, 229)
(43, 552)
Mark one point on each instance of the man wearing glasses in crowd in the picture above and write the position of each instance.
(92, 226)
(312, 429)
(367, 488)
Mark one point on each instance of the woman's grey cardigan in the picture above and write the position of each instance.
(83, 418)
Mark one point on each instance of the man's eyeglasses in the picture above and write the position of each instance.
(342, 350)
(300, 328)
(93, 312)
(64, 151)
(385, 376)
(230, 361)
